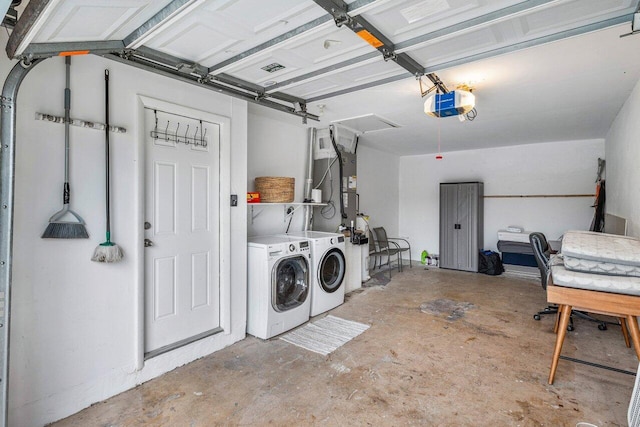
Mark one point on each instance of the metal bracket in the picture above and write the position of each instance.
(206, 79)
(126, 54)
(6, 103)
(389, 55)
(369, 33)
(342, 19)
(426, 92)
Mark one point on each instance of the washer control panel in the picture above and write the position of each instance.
(296, 247)
(335, 240)
(304, 246)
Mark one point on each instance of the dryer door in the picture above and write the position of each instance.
(331, 270)
(290, 283)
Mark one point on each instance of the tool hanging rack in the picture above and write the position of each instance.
(199, 138)
(78, 122)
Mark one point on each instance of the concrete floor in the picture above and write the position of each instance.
(473, 356)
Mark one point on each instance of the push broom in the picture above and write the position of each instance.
(59, 228)
(107, 251)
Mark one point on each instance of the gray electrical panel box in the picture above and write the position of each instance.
(461, 225)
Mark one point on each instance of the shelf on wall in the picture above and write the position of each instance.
(286, 206)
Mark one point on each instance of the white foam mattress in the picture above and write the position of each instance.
(602, 248)
(562, 276)
(600, 267)
(514, 237)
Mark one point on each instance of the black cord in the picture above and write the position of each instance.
(471, 114)
(289, 225)
(331, 207)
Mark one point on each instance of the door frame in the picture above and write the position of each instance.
(145, 102)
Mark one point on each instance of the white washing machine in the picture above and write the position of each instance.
(278, 292)
(328, 267)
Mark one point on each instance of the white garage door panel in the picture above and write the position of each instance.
(572, 14)
(79, 20)
(346, 78)
(314, 87)
(185, 40)
(460, 45)
(218, 30)
(409, 19)
(302, 55)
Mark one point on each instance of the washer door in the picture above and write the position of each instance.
(331, 270)
(290, 283)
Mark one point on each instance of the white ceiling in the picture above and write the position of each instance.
(566, 90)
(529, 88)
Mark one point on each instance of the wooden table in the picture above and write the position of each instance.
(624, 307)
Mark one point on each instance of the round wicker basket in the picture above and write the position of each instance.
(275, 189)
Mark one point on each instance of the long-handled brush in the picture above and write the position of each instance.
(107, 251)
(57, 228)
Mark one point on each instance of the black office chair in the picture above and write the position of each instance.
(542, 253)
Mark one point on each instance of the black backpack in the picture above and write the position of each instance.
(490, 263)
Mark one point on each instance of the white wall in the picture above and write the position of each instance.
(549, 168)
(278, 145)
(378, 185)
(74, 330)
(623, 164)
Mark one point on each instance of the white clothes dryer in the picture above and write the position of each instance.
(278, 284)
(328, 268)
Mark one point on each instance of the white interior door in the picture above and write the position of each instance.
(182, 230)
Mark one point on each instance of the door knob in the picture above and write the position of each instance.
(147, 243)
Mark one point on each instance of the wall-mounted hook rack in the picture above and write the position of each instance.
(198, 140)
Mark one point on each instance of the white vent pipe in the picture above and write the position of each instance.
(308, 184)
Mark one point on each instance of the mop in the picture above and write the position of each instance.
(57, 228)
(107, 251)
